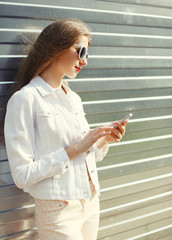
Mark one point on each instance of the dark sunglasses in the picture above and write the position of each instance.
(82, 51)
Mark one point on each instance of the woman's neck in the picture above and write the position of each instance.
(52, 76)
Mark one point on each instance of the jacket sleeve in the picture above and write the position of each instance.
(19, 139)
(100, 153)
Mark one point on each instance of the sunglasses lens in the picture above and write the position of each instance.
(82, 52)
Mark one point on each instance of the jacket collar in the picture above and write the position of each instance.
(44, 88)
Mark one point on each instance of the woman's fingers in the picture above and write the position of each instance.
(102, 131)
(125, 123)
(117, 136)
(120, 128)
(116, 131)
(112, 133)
(104, 128)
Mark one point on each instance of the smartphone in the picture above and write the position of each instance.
(126, 117)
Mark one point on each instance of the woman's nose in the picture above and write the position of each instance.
(83, 61)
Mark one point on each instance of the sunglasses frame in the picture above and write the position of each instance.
(80, 50)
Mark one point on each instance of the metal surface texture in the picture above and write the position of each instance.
(129, 70)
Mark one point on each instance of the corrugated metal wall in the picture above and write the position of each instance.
(129, 70)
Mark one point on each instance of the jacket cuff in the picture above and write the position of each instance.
(64, 160)
(100, 153)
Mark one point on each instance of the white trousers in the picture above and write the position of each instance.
(68, 220)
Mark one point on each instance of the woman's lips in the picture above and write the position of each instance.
(77, 68)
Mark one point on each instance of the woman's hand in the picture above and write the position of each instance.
(89, 139)
(102, 135)
(93, 135)
(116, 134)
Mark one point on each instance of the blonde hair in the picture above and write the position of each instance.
(52, 41)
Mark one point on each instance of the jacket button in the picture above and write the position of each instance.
(66, 166)
(88, 151)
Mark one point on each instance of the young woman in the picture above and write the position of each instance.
(52, 151)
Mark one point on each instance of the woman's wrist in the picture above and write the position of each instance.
(73, 151)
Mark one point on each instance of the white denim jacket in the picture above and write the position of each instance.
(40, 123)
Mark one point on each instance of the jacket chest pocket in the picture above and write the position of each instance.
(46, 121)
(81, 125)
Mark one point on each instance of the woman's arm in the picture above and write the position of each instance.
(20, 140)
(101, 135)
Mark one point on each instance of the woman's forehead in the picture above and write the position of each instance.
(83, 41)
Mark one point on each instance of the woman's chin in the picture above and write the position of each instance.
(72, 75)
